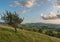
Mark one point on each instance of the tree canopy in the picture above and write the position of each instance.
(12, 19)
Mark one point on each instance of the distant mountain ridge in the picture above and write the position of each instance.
(44, 24)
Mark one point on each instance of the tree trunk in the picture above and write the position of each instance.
(15, 29)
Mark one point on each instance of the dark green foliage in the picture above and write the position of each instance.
(40, 30)
(49, 32)
(29, 28)
(58, 30)
(35, 29)
(12, 19)
(58, 35)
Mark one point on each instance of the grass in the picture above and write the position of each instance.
(8, 35)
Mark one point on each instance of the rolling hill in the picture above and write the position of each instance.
(8, 35)
(44, 24)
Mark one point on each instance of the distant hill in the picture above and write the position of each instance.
(44, 24)
(8, 35)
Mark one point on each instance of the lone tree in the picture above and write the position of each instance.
(12, 19)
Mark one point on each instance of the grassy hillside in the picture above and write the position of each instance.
(8, 35)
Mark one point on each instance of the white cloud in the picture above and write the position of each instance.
(15, 4)
(28, 3)
(50, 16)
(25, 3)
(57, 4)
(43, 1)
(11, 5)
(42, 14)
(21, 11)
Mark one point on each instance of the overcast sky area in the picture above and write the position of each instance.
(45, 11)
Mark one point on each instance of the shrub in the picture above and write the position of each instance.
(40, 30)
(58, 35)
(35, 30)
(49, 32)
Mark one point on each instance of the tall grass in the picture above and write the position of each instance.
(8, 35)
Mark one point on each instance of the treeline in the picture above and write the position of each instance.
(55, 32)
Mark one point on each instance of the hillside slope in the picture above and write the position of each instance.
(8, 35)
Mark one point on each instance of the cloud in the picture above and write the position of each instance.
(15, 4)
(43, 1)
(58, 14)
(50, 16)
(57, 4)
(21, 11)
(25, 3)
(28, 3)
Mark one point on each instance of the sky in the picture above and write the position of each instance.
(33, 11)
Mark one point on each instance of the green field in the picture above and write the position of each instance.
(8, 35)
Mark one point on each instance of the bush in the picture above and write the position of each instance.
(35, 29)
(40, 30)
(49, 32)
(58, 35)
